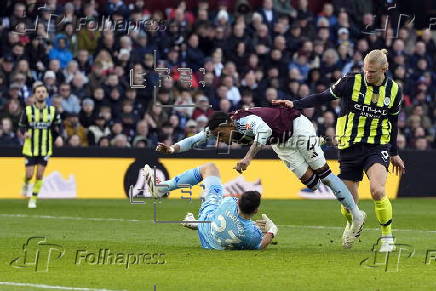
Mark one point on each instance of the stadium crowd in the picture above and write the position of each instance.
(100, 72)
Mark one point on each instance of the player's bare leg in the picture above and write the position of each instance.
(37, 187)
(310, 179)
(377, 175)
(27, 178)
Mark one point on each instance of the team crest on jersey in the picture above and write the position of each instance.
(387, 101)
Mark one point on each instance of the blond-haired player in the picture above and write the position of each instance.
(366, 131)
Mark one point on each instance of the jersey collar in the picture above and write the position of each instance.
(43, 107)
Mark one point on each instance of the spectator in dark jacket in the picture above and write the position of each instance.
(269, 15)
(7, 134)
(194, 56)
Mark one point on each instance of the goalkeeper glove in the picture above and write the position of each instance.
(163, 148)
(270, 226)
(261, 224)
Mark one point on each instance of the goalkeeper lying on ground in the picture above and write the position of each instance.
(230, 224)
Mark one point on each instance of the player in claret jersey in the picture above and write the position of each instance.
(292, 137)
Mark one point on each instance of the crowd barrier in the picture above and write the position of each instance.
(108, 173)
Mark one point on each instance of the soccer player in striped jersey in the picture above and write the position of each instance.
(366, 130)
(40, 125)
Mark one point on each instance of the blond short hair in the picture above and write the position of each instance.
(378, 57)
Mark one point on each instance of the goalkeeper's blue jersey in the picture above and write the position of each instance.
(227, 229)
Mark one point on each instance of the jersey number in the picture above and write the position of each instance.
(222, 227)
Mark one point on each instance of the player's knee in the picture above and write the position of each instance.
(310, 179)
(377, 191)
(209, 169)
(210, 166)
(307, 174)
(311, 182)
(323, 172)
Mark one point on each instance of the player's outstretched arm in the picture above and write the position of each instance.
(342, 88)
(271, 231)
(397, 163)
(243, 164)
(262, 133)
(183, 145)
(167, 149)
(266, 240)
(308, 101)
(57, 130)
(24, 125)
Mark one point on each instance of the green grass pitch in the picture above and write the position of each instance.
(308, 255)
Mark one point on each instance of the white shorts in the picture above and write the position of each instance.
(302, 150)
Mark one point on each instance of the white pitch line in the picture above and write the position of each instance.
(366, 228)
(71, 217)
(138, 220)
(44, 286)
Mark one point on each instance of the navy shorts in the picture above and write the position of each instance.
(358, 158)
(32, 161)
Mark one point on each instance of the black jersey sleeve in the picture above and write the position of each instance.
(396, 107)
(343, 86)
(393, 151)
(23, 123)
(56, 125)
(314, 100)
